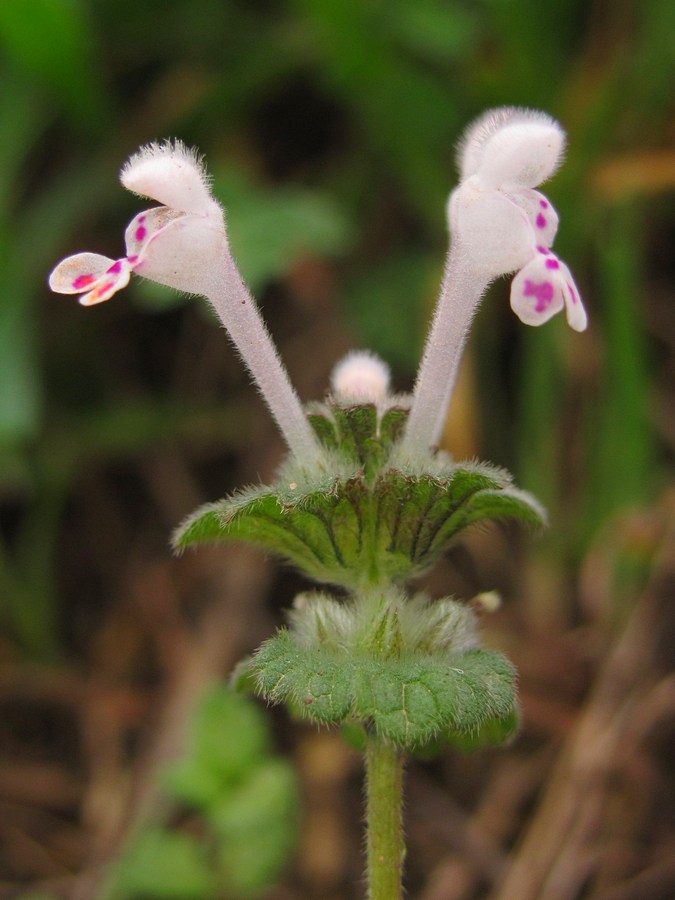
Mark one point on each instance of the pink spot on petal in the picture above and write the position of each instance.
(140, 233)
(141, 218)
(115, 269)
(552, 264)
(573, 293)
(543, 293)
(540, 221)
(543, 250)
(543, 204)
(83, 281)
(98, 291)
(132, 259)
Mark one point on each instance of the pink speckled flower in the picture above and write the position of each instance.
(173, 244)
(503, 223)
(183, 244)
(499, 224)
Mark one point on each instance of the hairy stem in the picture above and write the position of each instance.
(461, 292)
(239, 314)
(384, 820)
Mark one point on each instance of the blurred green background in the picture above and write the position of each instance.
(329, 127)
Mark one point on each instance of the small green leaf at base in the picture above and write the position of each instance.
(162, 863)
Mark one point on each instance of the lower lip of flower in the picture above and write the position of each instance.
(543, 292)
(83, 281)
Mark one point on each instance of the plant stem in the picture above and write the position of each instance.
(461, 292)
(384, 820)
(240, 315)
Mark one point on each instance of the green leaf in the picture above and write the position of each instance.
(418, 517)
(392, 425)
(323, 691)
(484, 688)
(191, 782)
(304, 533)
(402, 699)
(409, 701)
(391, 529)
(357, 430)
(226, 740)
(257, 828)
(319, 686)
(324, 428)
(162, 864)
(271, 230)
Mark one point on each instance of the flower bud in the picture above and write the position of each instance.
(362, 377)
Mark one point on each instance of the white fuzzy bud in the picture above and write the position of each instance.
(361, 376)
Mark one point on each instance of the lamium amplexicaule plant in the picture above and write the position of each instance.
(365, 500)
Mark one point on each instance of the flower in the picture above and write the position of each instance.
(183, 244)
(503, 224)
(499, 224)
(174, 244)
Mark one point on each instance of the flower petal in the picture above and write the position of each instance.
(540, 212)
(78, 273)
(511, 145)
(362, 377)
(112, 280)
(181, 254)
(495, 233)
(574, 308)
(145, 225)
(536, 291)
(172, 174)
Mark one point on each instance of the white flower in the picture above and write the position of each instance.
(500, 221)
(499, 224)
(175, 244)
(183, 244)
(510, 145)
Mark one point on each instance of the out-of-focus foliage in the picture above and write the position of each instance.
(247, 801)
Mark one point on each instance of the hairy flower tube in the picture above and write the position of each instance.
(183, 244)
(499, 224)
